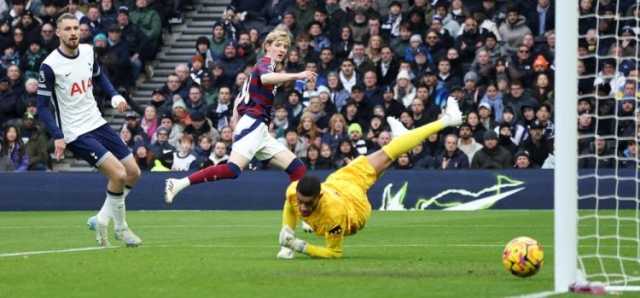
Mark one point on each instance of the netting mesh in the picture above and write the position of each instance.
(608, 179)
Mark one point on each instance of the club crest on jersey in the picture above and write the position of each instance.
(80, 87)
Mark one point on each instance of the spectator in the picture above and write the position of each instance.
(148, 20)
(493, 98)
(485, 116)
(36, 146)
(345, 154)
(307, 129)
(516, 99)
(226, 136)
(629, 157)
(518, 132)
(200, 126)
(407, 120)
(339, 96)
(8, 102)
(404, 91)
(492, 156)
(348, 76)
(342, 47)
(32, 59)
(371, 90)
(183, 157)
(388, 67)
(49, 41)
(117, 61)
(161, 145)
(202, 151)
(313, 160)
(196, 102)
(451, 157)
(143, 157)
(599, 154)
(522, 161)
(543, 118)
(219, 155)
(336, 132)
(29, 97)
(92, 18)
(14, 149)
(133, 124)
(505, 137)
(537, 144)
(357, 142)
(126, 137)
(218, 42)
(542, 18)
(231, 64)
(473, 120)
(520, 67)
(280, 123)
(294, 143)
(373, 131)
(149, 122)
(513, 29)
(180, 113)
(404, 162)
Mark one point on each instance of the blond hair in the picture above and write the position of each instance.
(277, 35)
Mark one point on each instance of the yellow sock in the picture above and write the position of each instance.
(411, 139)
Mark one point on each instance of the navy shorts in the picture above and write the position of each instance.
(95, 145)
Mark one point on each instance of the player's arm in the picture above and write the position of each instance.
(333, 245)
(46, 83)
(289, 217)
(332, 249)
(100, 77)
(275, 78)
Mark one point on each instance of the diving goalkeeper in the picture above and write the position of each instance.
(339, 206)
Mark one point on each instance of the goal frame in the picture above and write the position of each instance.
(565, 144)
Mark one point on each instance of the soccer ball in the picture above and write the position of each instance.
(523, 256)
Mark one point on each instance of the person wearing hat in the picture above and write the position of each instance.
(505, 137)
(415, 46)
(537, 144)
(119, 63)
(136, 40)
(522, 160)
(231, 63)
(485, 116)
(492, 155)
(200, 126)
(518, 131)
(355, 135)
(404, 91)
(390, 105)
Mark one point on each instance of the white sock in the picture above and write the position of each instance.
(104, 215)
(127, 190)
(118, 210)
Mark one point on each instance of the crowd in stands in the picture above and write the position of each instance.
(374, 59)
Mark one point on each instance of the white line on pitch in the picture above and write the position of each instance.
(53, 251)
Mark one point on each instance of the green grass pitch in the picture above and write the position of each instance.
(232, 254)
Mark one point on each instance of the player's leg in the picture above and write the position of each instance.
(247, 141)
(122, 230)
(383, 158)
(116, 174)
(290, 163)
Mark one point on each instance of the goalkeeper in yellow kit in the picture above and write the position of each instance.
(339, 207)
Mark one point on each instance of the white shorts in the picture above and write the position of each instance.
(251, 139)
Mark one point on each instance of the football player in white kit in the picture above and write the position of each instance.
(70, 112)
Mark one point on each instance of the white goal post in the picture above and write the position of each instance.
(566, 168)
(597, 248)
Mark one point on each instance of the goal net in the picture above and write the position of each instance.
(605, 124)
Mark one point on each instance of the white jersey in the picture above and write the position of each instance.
(68, 83)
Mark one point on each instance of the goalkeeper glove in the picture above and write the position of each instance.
(285, 253)
(306, 227)
(288, 239)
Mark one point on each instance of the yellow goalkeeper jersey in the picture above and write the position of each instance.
(343, 208)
